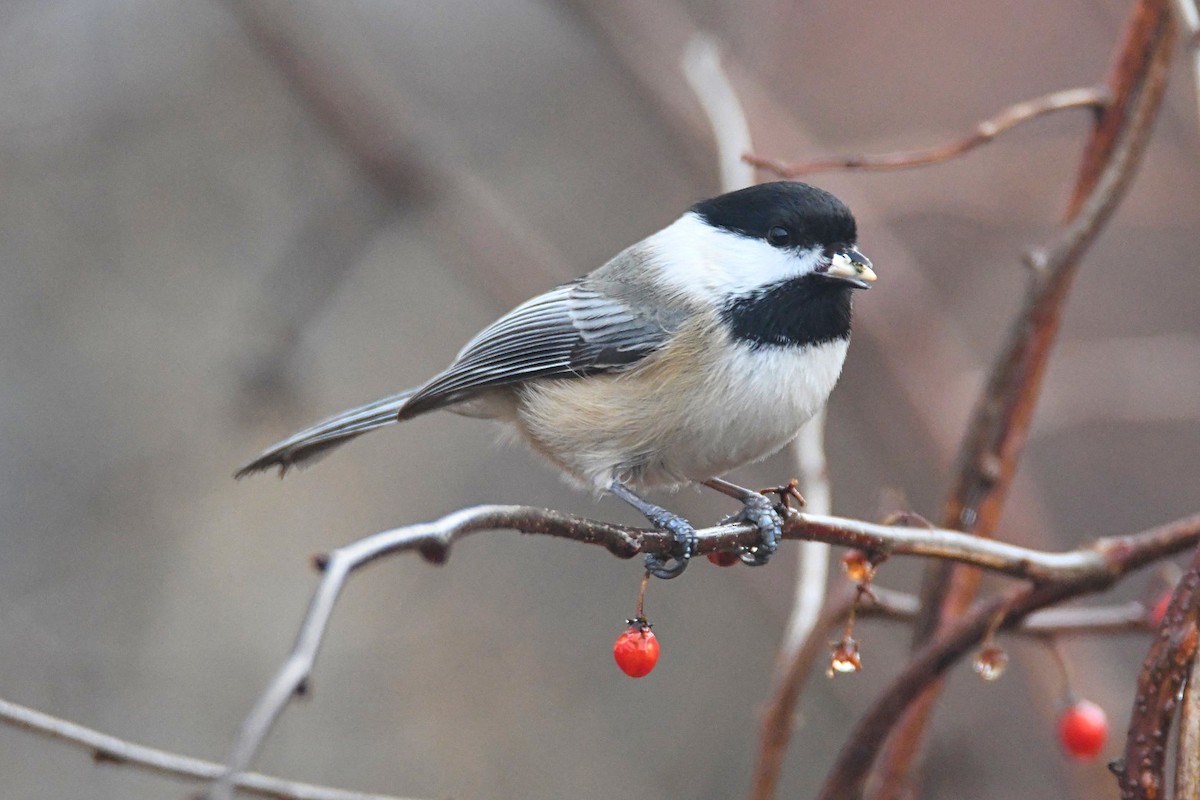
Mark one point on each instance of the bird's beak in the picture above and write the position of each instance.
(850, 265)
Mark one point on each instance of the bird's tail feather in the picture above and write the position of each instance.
(312, 443)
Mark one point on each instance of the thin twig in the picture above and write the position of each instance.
(108, 749)
(1017, 114)
(1140, 772)
(996, 436)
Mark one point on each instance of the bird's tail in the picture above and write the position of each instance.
(316, 441)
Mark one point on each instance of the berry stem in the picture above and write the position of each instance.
(641, 603)
(1064, 668)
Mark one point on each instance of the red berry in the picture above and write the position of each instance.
(723, 558)
(1083, 729)
(636, 649)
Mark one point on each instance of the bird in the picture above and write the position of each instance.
(701, 348)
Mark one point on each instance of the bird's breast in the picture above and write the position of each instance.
(692, 411)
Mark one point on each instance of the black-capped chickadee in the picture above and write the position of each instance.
(699, 349)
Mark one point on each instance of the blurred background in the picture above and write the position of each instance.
(222, 221)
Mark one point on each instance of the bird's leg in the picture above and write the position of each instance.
(680, 529)
(758, 511)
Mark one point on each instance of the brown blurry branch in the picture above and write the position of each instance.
(107, 749)
(1140, 772)
(1095, 98)
(1093, 567)
(995, 439)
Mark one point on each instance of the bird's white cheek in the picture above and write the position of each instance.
(704, 263)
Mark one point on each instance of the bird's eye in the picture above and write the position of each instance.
(779, 236)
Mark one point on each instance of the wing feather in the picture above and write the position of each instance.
(570, 331)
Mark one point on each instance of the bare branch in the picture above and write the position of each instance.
(1140, 773)
(850, 771)
(108, 749)
(776, 728)
(1017, 114)
(996, 437)
(1098, 564)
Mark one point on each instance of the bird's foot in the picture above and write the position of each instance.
(759, 512)
(683, 535)
(683, 545)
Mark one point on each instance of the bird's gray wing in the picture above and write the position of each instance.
(571, 331)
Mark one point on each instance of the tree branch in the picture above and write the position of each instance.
(108, 749)
(1099, 563)
(1095, 98)
(1140, 772)
(996, 436)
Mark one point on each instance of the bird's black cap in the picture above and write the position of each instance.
(811, 216)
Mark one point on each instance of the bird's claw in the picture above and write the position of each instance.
(683, 545)
(759, 512)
